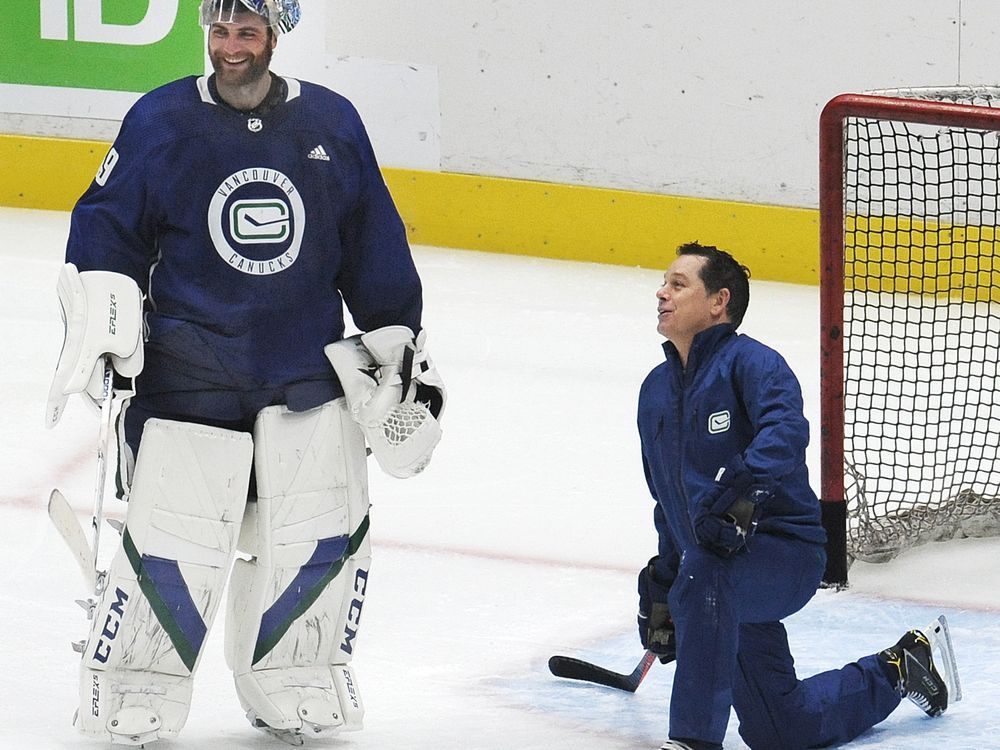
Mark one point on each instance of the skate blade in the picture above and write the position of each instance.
(297, 737)
(288, 736)
(943, 651)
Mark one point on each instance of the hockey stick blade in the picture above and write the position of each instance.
(577, 669)
(69, 528)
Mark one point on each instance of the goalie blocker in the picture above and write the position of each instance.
(102, 315)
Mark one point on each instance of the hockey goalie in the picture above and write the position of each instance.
(207, 270)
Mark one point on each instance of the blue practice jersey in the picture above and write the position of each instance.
(247, 232)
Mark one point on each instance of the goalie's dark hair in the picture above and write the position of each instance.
(722, 271)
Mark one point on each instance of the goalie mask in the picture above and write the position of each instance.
(280, 15)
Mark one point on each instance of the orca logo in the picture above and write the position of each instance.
(256, 220)
(719, 422)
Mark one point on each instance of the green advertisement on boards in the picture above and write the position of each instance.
(111, 45)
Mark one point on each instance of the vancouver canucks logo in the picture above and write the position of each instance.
(256, 220)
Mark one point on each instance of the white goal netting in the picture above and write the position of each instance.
(921, 329)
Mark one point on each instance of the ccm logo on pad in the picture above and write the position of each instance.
(719, 422)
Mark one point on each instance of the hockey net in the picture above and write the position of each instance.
(910, 202)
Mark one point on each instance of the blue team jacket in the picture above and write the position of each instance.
(248, 232)
(736, 397)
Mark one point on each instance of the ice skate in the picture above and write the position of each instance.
(288, 736)
(927, 683)
(318, 722)
(675, 745)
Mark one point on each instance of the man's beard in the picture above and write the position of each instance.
(254, 71)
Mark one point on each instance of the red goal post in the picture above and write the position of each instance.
(907, 251)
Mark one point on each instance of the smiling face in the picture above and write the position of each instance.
(684, 306)
(241, 51)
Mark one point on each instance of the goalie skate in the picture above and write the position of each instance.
(292, 737)
(318, 722)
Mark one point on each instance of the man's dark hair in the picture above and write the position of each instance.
(722, 271)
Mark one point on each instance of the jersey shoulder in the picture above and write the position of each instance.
(324, 107)
(166, 113)
(181, 94)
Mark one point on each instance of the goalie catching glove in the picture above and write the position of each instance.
(102, 312)
(394, 393)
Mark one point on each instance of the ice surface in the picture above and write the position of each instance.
(520, 540)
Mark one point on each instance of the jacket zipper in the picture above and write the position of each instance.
(682, 492)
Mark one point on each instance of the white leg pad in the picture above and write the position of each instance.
(294, 607)
(165, 582)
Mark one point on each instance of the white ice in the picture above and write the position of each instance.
(521, 540)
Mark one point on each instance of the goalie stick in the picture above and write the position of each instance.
(63, 516)
(577, 669)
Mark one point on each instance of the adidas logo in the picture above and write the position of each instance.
(319, 153)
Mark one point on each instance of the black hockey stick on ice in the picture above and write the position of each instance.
(577, 669)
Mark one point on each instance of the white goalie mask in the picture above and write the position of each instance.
(280, 15)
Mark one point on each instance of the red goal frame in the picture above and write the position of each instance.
(832, 228)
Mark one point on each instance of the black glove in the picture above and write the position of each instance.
(726, 515)
(656, 628)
